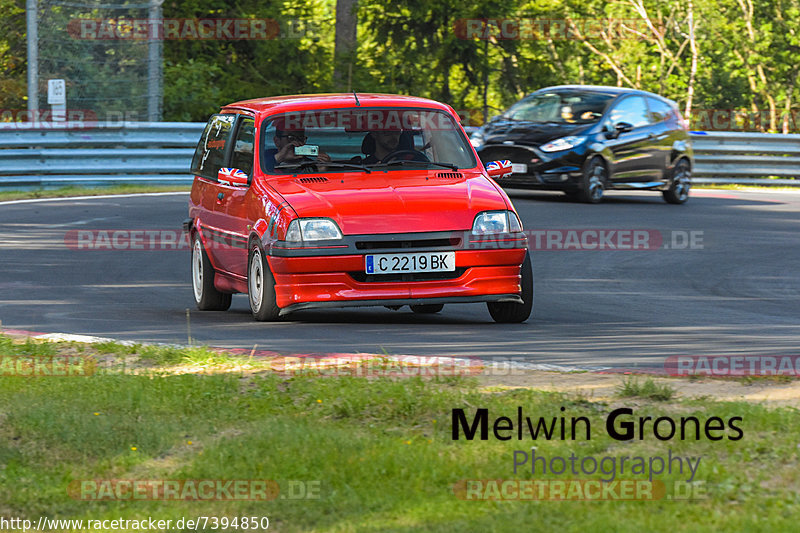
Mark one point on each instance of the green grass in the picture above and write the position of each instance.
(380, 449)
(632, 387)
(63, 192)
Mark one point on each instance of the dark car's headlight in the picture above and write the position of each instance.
(312, 229)
(492, 222)
(564, 143)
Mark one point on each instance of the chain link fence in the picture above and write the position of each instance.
(107, 55)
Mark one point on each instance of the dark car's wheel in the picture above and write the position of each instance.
(680, 184)
(593, 183)
(427, 309)
(206, 296)
(261, 287)
(512, 312)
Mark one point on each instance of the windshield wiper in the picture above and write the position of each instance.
(401, 162)
(308, 164)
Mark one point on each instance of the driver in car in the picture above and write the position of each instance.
(285, 143)
(380, 147)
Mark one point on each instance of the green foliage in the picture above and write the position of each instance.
(746, 59)
(13, 61)
(202, 75)
(651, 390)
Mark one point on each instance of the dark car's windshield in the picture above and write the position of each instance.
(363, 139)
(560, 107)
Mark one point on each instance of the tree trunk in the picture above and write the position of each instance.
(693, 71)
(344, 51)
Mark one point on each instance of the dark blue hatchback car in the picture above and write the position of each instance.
(584, 140)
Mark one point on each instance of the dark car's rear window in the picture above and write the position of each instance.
(659, 110)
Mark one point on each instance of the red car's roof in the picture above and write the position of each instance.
(278, 104)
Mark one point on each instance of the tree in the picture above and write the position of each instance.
(344, 53)
(13, 61)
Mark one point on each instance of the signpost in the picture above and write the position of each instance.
(57, 99)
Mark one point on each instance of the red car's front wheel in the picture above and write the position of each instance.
(512, 312)
(206, 296)
(261, 287)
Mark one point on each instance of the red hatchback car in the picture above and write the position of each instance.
(339, 200)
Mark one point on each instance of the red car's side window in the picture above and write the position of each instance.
(244, 145)
(210, 153)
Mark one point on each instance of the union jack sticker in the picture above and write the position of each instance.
(504, 166)
(237, 172)
(224, 172)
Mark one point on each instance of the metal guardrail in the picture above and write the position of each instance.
(746, 158)
(134, 152)
(160, 153)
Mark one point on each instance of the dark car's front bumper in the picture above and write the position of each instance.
(558, 171)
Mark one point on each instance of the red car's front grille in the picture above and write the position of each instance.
(447, 242)
(363, 277)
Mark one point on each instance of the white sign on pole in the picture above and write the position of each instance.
(56, 92)
(57, 98)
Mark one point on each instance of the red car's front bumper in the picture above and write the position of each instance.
(339, 280)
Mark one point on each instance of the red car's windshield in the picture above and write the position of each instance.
(363, 140)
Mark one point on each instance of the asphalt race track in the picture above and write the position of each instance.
(734, 290)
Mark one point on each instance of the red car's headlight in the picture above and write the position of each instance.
(312, 229)
(492, 222)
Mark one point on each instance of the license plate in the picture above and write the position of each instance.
(519, 168)
(409, 263)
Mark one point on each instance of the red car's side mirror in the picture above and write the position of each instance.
(498, 169)
(232, 176)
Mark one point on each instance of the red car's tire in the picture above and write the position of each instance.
(261, 287)
(206, 296)
(512, 312)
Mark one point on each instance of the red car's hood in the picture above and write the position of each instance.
(392, 202)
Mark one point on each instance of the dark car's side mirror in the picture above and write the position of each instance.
(232, 176)
(622, 127)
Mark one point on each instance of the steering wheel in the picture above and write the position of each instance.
(416, 156)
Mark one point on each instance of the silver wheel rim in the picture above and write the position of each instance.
(255, 281)
(197, 270)
(596, 182)
(682, 184)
